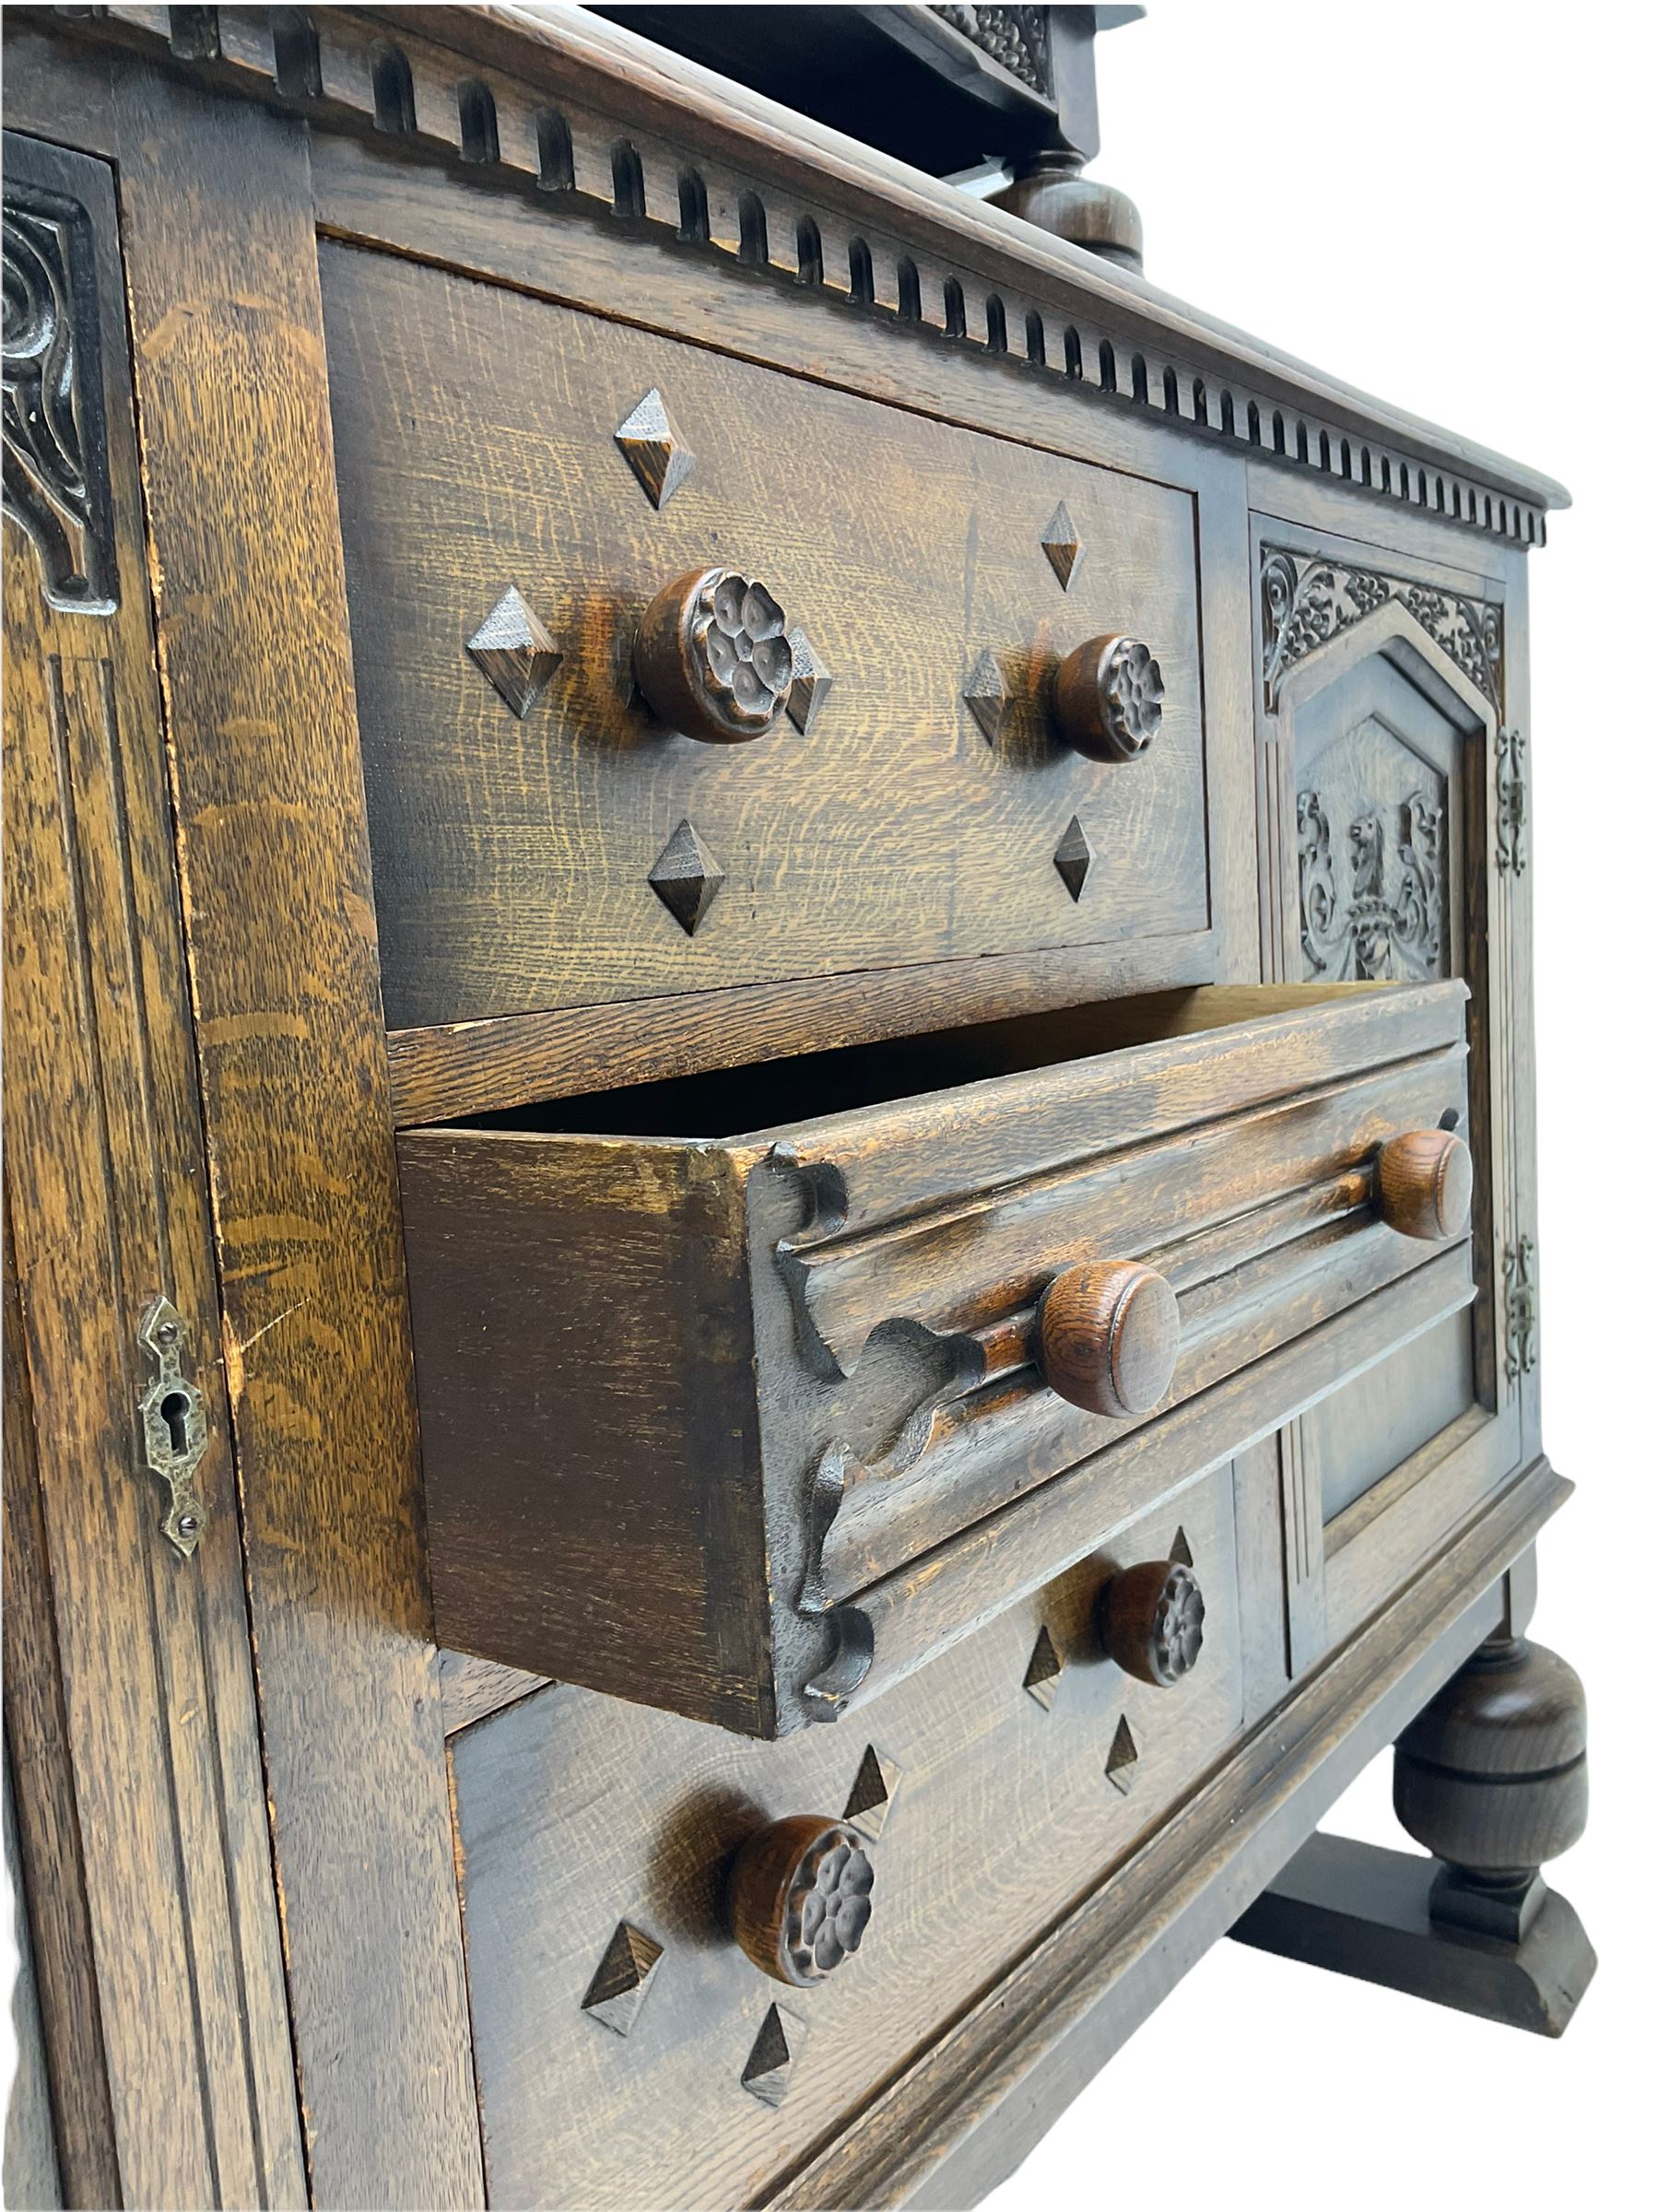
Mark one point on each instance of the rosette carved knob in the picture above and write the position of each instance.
(712, 657)
(800, 1898)
(1108, 1336)
(1151, 1621)
(1426, 1183)
(1109, 699)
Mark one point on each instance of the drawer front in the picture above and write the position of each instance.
(987, 1809)
(513, 856)
(751, 1427)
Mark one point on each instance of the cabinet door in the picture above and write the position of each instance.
(1389, 842)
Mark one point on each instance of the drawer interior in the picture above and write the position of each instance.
(761, 1097)
(695, 1405)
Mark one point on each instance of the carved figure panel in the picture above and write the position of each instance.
(1371, 850)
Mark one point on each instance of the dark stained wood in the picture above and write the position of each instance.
(130, 1697)
(1108, 1336)
(799, 1895)
(442, 1074)
(638, 1539)
(575, 1813)
(737, 1406)
(233, 406)
(514, 859)
(1360, 1910)
(960, 2116)
(1151, 1620)
(1425, 1182)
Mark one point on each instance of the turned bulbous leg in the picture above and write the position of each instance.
(1492, 1779)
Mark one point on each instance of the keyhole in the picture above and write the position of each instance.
(174, 1410)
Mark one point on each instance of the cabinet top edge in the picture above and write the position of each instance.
(1169, 357)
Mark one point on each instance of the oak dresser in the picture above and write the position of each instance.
(769, 1133)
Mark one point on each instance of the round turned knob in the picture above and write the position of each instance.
(1151, 1621)
(712, 658)
(1109, 699)
(1425, 1182)
(800, 1898)
(1107, 1336)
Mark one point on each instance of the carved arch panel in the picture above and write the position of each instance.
(1379, 765)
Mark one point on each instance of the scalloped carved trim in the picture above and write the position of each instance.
(1308, 599)
(347, 74)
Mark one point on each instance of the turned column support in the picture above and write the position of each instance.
(1491, 1778)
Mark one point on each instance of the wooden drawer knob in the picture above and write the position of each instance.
(800, 1898)
(1150, 1620)
(1109, 699)
(712, 658)
(1107, 1336)
(1425, 1183)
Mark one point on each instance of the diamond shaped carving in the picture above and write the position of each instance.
(687, 878)
(809, 686)
(1074, 856)
(1122, 1759)
(1043, 1670)
(514, 651)
(987, 696)
(656, 452)
(767, 2069)
(874, 1788)
(1061, 544)
(622, 1980)
(1180, 1550)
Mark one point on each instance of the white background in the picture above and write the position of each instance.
(1452, 207)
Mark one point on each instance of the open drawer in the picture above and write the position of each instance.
(749, 1426)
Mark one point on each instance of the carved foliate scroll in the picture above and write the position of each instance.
(56, 480)
(1307, 600)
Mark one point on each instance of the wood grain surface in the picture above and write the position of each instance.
(575, 1814)
(233, 408)
(511, 856)
(130, 1695)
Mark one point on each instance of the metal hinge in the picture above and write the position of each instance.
(1511, 801)
(175, 1426)
(1521, 1310)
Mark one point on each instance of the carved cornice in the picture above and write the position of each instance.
(1308, 599)
(598, 121)
(1016, 37)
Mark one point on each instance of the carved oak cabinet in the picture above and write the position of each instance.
(769, 1175)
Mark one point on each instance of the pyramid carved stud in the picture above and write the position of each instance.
(809, 686)
(656, 452)
(987, 696)
(1181, 1550)
(1061, 544)
(1043, 1670)
(874, 1788)
(514, 651)
(622, 1980)
(767, 2069)
(1123, 1758)
(1074, 856)
(687, 878)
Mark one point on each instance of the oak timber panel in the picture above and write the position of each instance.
(819, 1363)
(475, 441)
(131, 1713)
(574, 1814)
(233, 412)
